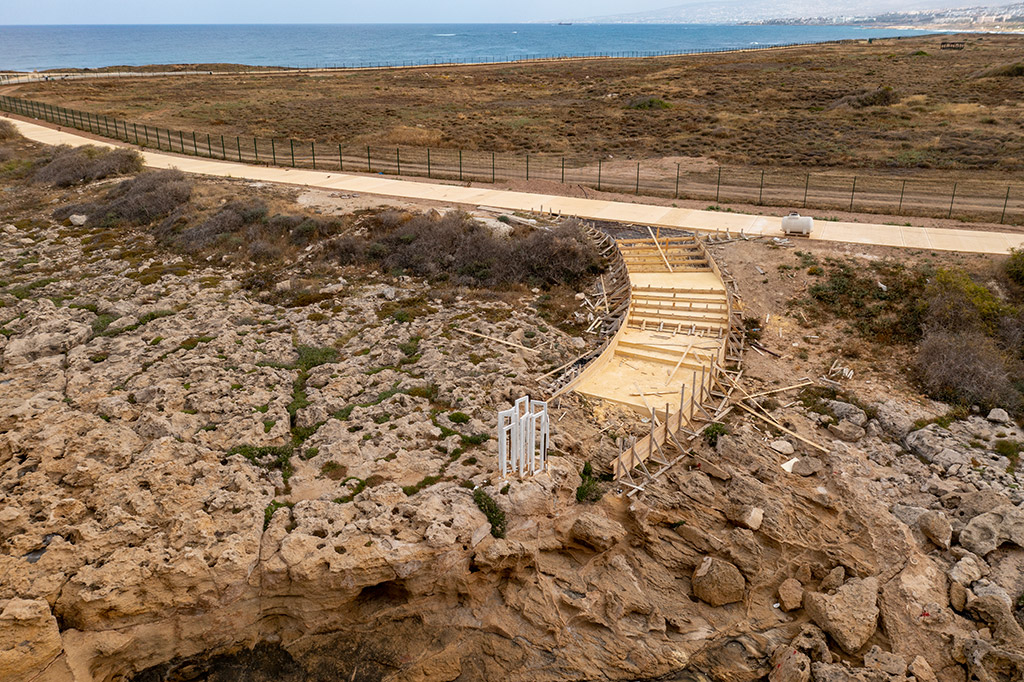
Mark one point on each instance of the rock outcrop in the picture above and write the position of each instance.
(850, 616)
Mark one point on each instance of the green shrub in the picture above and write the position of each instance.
(1015, 266)
(458, 417)
(1012, 70)
(333, 470)
(713, 431)
(268, 513)
(1010, 449)
(427, 481)
(267, 457)
(647, 103)
(492, 511)
(589, 489)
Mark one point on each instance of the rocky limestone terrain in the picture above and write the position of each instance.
(197, 482)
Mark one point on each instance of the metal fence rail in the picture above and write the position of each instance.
(789, 188)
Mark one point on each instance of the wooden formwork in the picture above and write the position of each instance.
(671, 313)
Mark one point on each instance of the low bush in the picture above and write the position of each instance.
(492, 511)
(68, 166)
(244, 227)
(1011, 70)
(713, 431)
(1015, 266)
(966, 368)
(879, 97)
(7, 130)
(589, 489)
(138, 201)
(648, 102)
(885, 303)
(458, 250)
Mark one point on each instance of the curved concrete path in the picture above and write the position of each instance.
(932, 238)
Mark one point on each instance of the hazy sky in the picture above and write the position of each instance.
(311, 11)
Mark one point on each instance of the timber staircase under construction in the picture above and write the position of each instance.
(675, 325)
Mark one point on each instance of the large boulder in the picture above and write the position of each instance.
(30, 639)
(789, 665)
(597, 531)
(936, 528)
(847, 431)
(886, 662)
(791, 594)
(718, 582)
(849, 412)
(999, 416)
(849, 616)
(985, 532)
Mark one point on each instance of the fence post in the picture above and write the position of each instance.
(135, 128)
(238, 143)
(951, 200)
(223, 151)
(369, 167)
(460, 165)
(312, 150)
(676, 196)
(195, 145)
(807, 185)
(760, 192)
(291, 142)
(718, 189)
(428, 163)
(398, 159)
(637, 178)
(209, 146)
(1005, 201)
(903, 187)
(853, 191)
(256, 149)
(599, 175)
(181, 140)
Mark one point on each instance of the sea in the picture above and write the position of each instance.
(36, 48)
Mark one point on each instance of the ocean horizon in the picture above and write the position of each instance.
(43, 47)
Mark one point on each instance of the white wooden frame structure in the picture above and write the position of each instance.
(523, 437)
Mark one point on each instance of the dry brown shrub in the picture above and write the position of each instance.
(138, 201)
(7, 130)
(967, 368)
(73, 165)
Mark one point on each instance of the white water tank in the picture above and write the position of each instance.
(795, 223)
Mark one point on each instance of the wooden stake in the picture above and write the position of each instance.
(659, 249)
(491, 338)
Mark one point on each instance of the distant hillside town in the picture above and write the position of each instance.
(1006, 17)
(927, 14)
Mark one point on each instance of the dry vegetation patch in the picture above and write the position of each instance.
(772, 107)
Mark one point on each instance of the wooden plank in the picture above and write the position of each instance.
(782, 428)
(491, 338)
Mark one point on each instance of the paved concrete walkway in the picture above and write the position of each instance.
(932, 238)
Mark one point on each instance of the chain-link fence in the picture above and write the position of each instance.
(788, 188)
